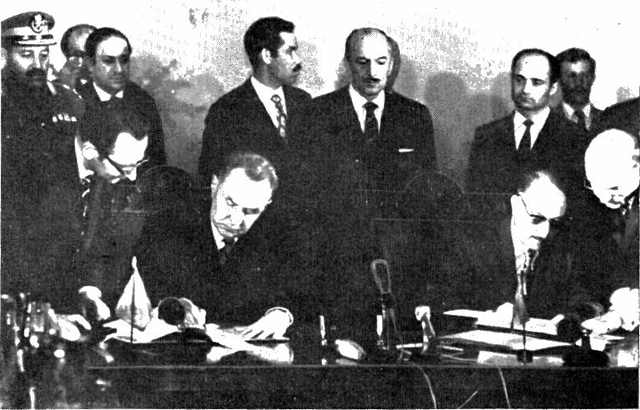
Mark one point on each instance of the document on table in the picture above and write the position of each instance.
(157, 328)
(511, 340)
(501, 321)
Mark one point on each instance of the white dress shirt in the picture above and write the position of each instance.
(538, 122)
(105, 96)
(570, 113)
(264, 94)
(358, 105)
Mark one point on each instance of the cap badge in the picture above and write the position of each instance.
(38, 23)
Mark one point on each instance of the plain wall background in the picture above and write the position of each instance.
(455, 54)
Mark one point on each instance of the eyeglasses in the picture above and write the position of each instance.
(537, 219)
(125, 170)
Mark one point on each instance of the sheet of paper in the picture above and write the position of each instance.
(510, 340)
(155, 329)
(502, 321)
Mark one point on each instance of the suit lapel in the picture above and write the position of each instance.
(347, 117)
(546, 136)
(254, 105)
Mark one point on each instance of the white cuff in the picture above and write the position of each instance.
(91, 292)
(283, 310)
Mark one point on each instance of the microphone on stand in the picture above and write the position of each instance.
(520, 314)
(382, 277)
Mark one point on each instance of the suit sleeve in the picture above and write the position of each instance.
(211, 159)
(429, 159)
(475, 165)
(155, 151)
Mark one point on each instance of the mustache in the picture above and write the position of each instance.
(36, 73)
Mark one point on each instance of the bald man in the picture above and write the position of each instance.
(609, 234)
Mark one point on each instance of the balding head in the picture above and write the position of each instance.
(612, 167)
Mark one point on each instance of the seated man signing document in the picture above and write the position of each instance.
(233, 263)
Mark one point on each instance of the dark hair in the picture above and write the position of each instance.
(255, 166)
(363, 32)
(64, 41)
(99, 36)
(554, 65)
(102, 125)
(573, 55)
(265, 33)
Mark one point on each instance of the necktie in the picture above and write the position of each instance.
(282, 117)
(370, 122)
(524, 150)
(581, 119)
(226, 250)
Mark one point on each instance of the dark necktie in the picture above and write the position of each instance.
(226, 250)
(582, 122)
(370, 122)
(282, 117)
(524, 150)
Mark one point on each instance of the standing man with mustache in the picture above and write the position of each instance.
(255, 116)
(40, 181)
(577, 74)
(532, 137)
(357, 144)
(109, 54)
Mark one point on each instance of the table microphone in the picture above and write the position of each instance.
(382, 277)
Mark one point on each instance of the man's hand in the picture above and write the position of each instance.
(92, 306)
(70, 326)
(272, 325)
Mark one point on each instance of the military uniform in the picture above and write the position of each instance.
(40, 185)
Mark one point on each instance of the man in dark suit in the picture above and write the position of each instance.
(533, 137)
(388, 136)
(356, 143)
(610, 230)
(241, 259)
(485, 265)
(254, 117)
(109, 52)
(577, 74)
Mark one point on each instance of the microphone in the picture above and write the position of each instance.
(520, 315)
(382, 277)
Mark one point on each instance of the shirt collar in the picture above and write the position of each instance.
(569, 111)
(217, 237)
(265, 93)
(105, 96)
(359, 101)
(538, 119)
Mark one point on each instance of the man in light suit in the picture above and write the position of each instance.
(531, 137)
(254, 117)
(577, 74)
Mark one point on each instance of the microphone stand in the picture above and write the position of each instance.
(520, 314)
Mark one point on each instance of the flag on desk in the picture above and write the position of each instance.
(134, 306)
